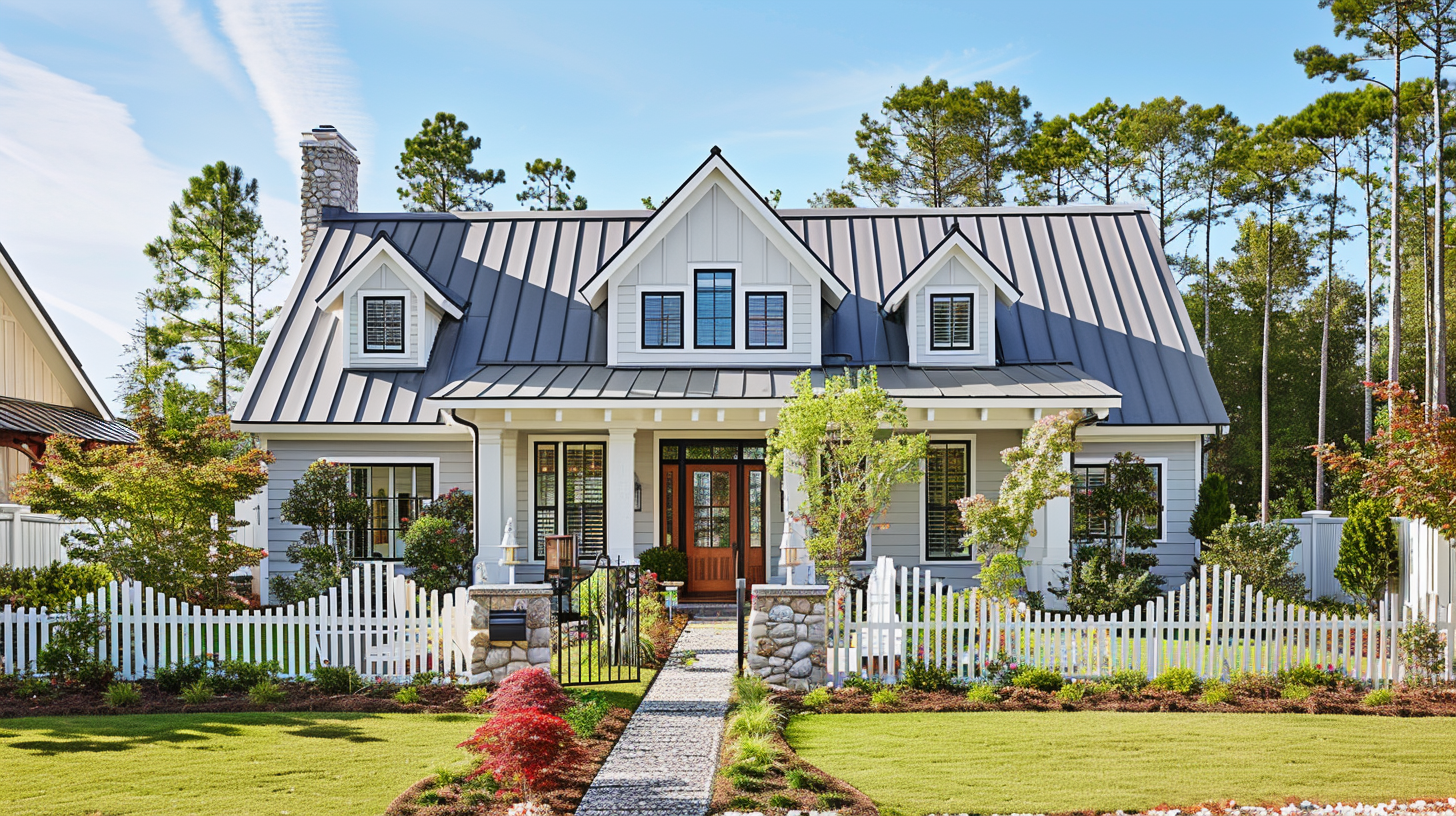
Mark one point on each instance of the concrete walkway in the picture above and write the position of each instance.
(665, 761)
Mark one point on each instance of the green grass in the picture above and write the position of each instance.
(1049, 762)
(235, 764)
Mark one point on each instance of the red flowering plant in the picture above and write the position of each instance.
(530, 690)
(1411, 462)
(523, 749)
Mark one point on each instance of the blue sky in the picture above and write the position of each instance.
(106, 108)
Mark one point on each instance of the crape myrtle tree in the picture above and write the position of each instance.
(323, 501)
(435, 168)
(845, 441)
(159, 512)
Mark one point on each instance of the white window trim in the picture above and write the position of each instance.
(920, 513)
(641, 290)
(358, 304)
(977, 293)
(784, 289)
(530, 458)
(1162, 463)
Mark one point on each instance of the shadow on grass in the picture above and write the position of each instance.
(80, 735)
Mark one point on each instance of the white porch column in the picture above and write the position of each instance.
(1050, 550)
(489, 523)
(793, 485)
(621, 449)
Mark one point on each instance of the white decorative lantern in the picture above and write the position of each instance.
(790, 552)
(508, 558)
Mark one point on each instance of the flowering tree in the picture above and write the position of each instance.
(1411, 463)
(842, 441)
(161, 511)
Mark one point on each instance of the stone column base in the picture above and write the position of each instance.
(786, 642)
(493, 659)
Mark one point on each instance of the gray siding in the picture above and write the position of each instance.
(954, 276)
(292, 458)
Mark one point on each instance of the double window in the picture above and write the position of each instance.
(947, 479)
(768, 321)
(662, 316)
(951, 322)
(396, 494)
(384, 325)
(713, 309)
(570, 495)
(1090, 527)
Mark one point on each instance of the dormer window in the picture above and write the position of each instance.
(662, 315)
(383, 325)
(713, 309)
(951, 322)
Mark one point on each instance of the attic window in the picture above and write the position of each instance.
(951, 323)
(384, 325)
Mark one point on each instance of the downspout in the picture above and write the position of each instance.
(479, 561)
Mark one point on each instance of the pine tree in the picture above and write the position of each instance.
(1213, 508)
(548, 183)
(1369, 553)
(435, 167)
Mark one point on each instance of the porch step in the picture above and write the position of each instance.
(711, 611)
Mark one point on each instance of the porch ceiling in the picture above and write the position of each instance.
(490, 384)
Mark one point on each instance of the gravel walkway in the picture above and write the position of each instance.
(664, 763)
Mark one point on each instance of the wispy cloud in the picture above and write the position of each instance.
(204, 49)
(100, 322)
(302, 78)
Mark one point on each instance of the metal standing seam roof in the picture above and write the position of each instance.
(1097, 299)
(42, 418)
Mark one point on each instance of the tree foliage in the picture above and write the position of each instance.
(1034, 476)
(439, 552)
(322, 500)
(1369, 553)
(1213, 508)
(1113, 531)
(1260, 553)
(525, 749)
(435, 167)
(842, 440)
(548, 186)
(160, 512)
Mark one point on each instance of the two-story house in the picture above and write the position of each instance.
(612, 374)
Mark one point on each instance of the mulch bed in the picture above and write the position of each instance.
(774, 782)
(563, 797)
(300, 697)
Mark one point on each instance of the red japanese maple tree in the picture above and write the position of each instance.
(534, 689)
(1411, 463)
(524, 749)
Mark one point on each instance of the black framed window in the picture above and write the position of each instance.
(662, 320)
(768, 320)
(1088, 477)
(951, 323)
(395, 494)
(384, 325)
(570, 495)
(713, 309)
(947, 479)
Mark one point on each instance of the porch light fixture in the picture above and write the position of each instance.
(560, 554)
(636, 493)
(789, 551)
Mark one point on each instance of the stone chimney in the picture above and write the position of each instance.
(330, 177)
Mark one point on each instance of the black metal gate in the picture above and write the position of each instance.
(598, 631)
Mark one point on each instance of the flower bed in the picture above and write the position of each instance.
(1419, 807)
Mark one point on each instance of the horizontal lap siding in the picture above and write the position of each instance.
(292, 458)
(1176, 553)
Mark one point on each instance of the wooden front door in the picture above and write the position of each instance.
(711, 525)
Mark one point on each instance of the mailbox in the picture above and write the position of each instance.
(507, 624)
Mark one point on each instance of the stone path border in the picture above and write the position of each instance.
(665, 761)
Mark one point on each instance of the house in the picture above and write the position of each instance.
(612, 374)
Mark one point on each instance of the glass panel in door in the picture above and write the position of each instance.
(712, 527)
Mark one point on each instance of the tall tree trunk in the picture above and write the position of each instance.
(1264, 372)
(1438, 287)
(1324, 382)
(1369, 426)
(1393, 363)
(1207, 266)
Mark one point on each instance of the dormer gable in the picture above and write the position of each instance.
(389, 309)
(949, 300)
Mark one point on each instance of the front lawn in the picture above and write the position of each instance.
(1049, 762)
(242, 764)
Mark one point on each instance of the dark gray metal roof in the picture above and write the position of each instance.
(603, 382)
(44, 419)
(1097, 296)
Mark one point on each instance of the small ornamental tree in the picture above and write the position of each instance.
(841, 439)
(1410, 463)
(1259, 552)
(1369, 552)
(530, 689)
(1213, 508)
(523, 749)
(323, 501)
(1114, 527)
(160, 512)
(439, 553)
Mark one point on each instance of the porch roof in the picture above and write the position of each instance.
(1053, 381)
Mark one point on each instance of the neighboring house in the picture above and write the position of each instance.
(43, 390)
(613, 373)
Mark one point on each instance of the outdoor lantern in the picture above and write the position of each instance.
(509, 546)
(560, 554)
(636, 494)
(789, 551)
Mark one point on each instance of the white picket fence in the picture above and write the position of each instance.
(378, 622)
(1214, 624)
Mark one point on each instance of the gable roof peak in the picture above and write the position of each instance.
(382, 244)
(954, 241)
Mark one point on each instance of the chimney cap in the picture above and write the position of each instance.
(325, 134)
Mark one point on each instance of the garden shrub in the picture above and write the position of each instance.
(1072, 692)
(667, 564)
(439, 552)
(266, 693)
(55, 586)
(749, 689)
(743, 803)
(70, 654)
(476, 697)
(885, 698)
(197, 693)
(1127, 681)
(1259, 552)
(1422, 648)
(243, 675)
(32, 686)
(523, 748)
(800, 779)
(756, 720)
(1379, 697)
(832, 801)
(1307, 674)
(1294, 692)
(922, 676)
(1178, 679)
(424, 678)
(343, 680)
(121, 695)
(1000, 670)
(817, 699)
(779, 800)
(1369, 553)
(982, 693)
(755, 749)
(1215, 693)
(586, 715)
(1036, 678)
(864, 683)
(1255, 684)
(178, 676)
(409, 695)
(533, 689)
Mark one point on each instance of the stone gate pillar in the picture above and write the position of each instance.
(786, 635)
(505, 643)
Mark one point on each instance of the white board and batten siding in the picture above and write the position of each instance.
(715, 234)
(955, 278)
(422, 320)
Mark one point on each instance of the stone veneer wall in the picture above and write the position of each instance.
(493, 660)
(786, 643)
(330, 178)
